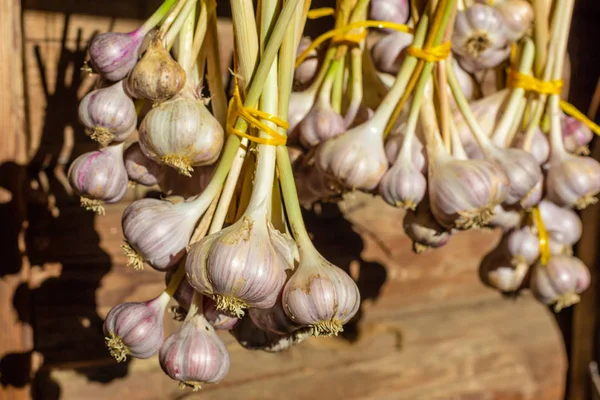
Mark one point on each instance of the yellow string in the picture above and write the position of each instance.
(236, 109)
(545, 253)
(320, 12)
(432, 54)
(341, 35)
(570, 109)
(517, 79)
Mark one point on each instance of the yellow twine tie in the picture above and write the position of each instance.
(432, 54)
(250, 115)
(517, 79)
(545, 253)
(341, 35)
(320, 12)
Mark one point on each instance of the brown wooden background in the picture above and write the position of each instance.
(427, 328)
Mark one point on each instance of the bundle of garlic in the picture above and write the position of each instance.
(389, 102)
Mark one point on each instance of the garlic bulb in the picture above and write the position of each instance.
(560, 282)
(389, 51)
(320, 124)
(194, 355)
(499, 272)
(396, 11)
(572, 181)
(468, 84)
(576, 135)
(505, 218)
(242, 265)
(300, 104)
(141, 169)
(136, 329)
(182, 134)
(156, 77)
(562, 224)
(99, 177)
(424, 230)
(517, 15)
(464, 193)
(312, 185)
(108, 114)
(394, 144)
(320, 295)
(403, 185)
(306, 71)
(523, 246)
(539, 147)
(114, 54)
(273, 319)
(479, 38)
(522, 170)
(355, 158)
(157, 231)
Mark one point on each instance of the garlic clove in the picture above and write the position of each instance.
(403, 185)
(108, 114)
(242, 265)
(573, 181)
(424, 230)
(182, 134)
(194, 355)
(114, 54)
(320, 295)
(560, 281)
(158, 231)
(141, 169)
(389, 51)
(136, 329)
(156, 77)
(99, 177)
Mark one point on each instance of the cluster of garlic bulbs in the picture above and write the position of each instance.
(364, 112)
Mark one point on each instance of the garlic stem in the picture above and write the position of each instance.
(442, 93)
(356, 85)
(324, 97)
(215, 79)
(155, 19)
(196, 306)
(179, 23)
(201, 27)
(338, 84)
(175, 280)
(186, 38)
(517, 123)
(541, 10)
(510, 113)
(168, 21)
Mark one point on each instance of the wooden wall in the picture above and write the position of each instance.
(427, 328)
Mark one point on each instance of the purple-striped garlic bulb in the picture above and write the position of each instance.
(273, 319)
(182, 134)
(158, 231)
(99, 177)
(113, 55)
(140, 169)
(403, 185)
(241, 266)
(108, 114)
(320, 295)
(576, 135)
(136, 329)
(156, 77)
(195, 354)
(560, 281)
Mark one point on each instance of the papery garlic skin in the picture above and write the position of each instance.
(195, 354)
(158, 231)
(156, 77)
(320, 295)
(355, 158)
(524, 246)
(573, 181)
(560, 281)
(319, 125)
(108, 114)
(518, 17)
(141, 169)
(403, 185)
(389, 51)
(464, 193)
(114, 54)
(479, 38)
(136, 329)
(242, 265)
(424, 230)
(99, 177)
(182, 134)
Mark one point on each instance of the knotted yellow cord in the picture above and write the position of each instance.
(542, 235)
(432, 54)
(236, 109)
